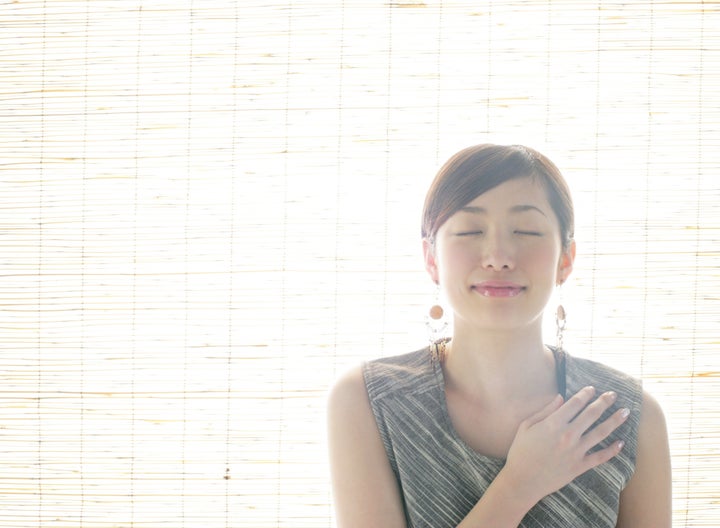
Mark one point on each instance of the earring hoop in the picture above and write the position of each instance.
(435, 320)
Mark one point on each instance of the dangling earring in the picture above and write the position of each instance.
(435, 320)
(560, 321)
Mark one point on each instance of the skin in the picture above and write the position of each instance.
(498, 371)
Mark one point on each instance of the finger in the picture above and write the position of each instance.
(603, 455)
(575, 404)
(546, 411)
(603, 430)
(592, 413)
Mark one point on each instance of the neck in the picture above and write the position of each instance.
(500, 365)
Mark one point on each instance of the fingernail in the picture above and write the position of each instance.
(612, 395)
(625, 413)
(620, 445)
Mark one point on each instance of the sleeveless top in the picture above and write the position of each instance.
(441, 478)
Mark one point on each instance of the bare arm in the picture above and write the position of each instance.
(364, 488)
(549, 451)
(646, 502)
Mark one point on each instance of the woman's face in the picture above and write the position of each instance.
(499, 258)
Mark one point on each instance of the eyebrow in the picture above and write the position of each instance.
(514, 209)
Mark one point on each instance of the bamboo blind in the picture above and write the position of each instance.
(210, 209)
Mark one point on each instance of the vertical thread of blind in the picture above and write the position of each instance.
(40, 273)
(647, 188)
(230, 467)
(287, 152)
(134, 341)
(695, 290)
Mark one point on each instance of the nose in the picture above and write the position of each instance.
(497, 253)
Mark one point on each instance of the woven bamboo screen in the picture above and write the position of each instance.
(210, 209)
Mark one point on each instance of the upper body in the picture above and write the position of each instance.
(440, 477)
(497, 239)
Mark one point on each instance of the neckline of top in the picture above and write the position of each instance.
(561, 376)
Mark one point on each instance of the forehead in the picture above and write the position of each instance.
(513, 196)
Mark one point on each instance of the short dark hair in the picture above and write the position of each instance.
(477, 169)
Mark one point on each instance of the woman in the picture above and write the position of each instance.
(492, 427)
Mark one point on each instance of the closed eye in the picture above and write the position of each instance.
(470, 233)
(528, 233)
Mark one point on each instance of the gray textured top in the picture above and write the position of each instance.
(441, 478)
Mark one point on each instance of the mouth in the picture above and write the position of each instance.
(498, 289)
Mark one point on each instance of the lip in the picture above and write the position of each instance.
(498, 288)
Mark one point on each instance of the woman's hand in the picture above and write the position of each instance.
(550, 448)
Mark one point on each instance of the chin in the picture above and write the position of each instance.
(500, 320)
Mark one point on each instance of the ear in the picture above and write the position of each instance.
(565, 265)
(430, 262)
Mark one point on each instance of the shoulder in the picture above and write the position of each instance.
(582, 372)
(350, 421)
(401, 365)
(399, 375)
(347, 387)
(348, 393)
(653, 446)
(373, 380)
(600, 371)
(652, 413)
(647, 499)
(652, 434)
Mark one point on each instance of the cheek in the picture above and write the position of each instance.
(457, 257)
(459, 263)
(543, 256)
